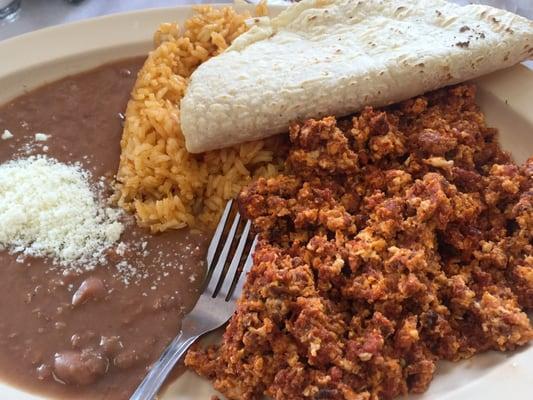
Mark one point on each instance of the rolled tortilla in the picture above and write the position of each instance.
(332, 57)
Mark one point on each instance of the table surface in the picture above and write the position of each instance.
(36, 14)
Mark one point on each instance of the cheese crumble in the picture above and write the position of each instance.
(48, 209)
(41, 137)
(6, 135)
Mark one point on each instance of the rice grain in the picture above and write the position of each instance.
(158, 180)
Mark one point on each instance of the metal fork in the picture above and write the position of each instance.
(229, 258)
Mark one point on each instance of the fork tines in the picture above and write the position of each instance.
(229, 254)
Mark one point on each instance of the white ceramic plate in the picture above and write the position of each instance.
(31, 60)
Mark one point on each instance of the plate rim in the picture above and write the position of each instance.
(503, 374)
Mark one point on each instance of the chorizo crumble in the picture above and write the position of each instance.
(394, 239)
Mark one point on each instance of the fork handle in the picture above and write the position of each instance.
(162, 367)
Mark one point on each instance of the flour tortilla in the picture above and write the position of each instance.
(332, 57)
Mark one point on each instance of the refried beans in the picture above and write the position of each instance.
(90, 335)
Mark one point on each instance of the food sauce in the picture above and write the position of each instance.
(90, 335)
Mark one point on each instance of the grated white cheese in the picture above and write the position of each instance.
(6, 135)
(41, 137)
(47, 208)
(121, 249)
(128, 273)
